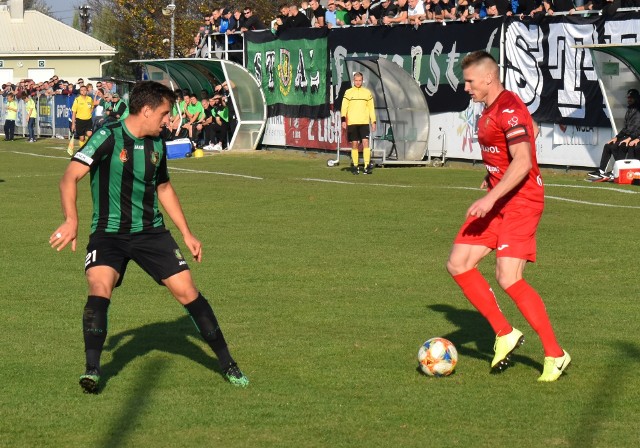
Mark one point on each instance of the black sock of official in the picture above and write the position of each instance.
(94, 326)
(205, 320)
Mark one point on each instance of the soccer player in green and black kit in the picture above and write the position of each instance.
(127, 163)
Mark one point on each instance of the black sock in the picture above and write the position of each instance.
(94, 326)
(205, 320)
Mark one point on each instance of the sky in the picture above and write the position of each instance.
(63, 9)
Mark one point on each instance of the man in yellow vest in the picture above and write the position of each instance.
(81, 123)
(10, 118)
(357, 112)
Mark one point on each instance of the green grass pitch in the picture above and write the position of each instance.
(325, 284)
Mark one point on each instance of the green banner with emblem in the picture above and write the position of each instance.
(292, 68)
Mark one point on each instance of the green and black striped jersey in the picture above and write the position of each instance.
(125, 172)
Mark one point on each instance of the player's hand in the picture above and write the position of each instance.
(64, 234)
(195, 247)
(480, 208)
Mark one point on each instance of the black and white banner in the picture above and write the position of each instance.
(557, 81)
(431, 53)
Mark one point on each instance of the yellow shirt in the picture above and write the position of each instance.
(12, 110)
(31, 108)
(357, 106)
(83, 106)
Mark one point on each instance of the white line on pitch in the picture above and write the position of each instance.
(172, 168)
(617, 190)
(598, 204)
(308, 179)
(39, 155)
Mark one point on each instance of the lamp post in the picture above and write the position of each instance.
(169, 10)
(84, 16)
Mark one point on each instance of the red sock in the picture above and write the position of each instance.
(478, 291)
(532, 308)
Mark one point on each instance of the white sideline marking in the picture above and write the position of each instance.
(598, 204)
(214, 172)
(309, 179)
(39, 155)
(617, 190)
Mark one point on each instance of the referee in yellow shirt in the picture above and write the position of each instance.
(82, 109)
(357, 112)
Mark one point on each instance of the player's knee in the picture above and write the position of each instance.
(456, 266)
(506, 279)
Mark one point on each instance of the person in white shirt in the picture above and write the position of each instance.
(416, 13)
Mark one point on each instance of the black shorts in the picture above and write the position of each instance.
(83, 126)
(156, 252)
(357, 132)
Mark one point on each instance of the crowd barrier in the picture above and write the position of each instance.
(54, 116)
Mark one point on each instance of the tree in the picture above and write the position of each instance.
(38, 5)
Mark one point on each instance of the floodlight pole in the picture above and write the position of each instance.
(173, 29)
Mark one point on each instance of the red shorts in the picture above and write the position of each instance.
(511, 231)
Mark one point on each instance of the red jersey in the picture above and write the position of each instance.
(506, 122)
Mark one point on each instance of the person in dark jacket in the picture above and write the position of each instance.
(625, 141)
(295, 19)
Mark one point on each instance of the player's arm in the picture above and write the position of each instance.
(519, 168)
(171, 204)
(68, 230)
(343, 111)
(372, 113)
(73, 120)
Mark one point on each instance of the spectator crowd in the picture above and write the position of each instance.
(336, 13)
(103, 96)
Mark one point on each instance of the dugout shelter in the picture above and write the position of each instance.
(195, 75)
(402, 112)
(617, 67)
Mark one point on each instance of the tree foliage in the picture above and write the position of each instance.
(38, 5)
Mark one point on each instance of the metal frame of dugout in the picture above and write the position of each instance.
(402, 113)
(197, 74)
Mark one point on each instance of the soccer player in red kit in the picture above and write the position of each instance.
(505, 219)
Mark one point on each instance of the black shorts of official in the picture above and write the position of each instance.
(83, 126)
(155, 251)
(357, 132)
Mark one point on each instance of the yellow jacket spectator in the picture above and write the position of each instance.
(32, 114)
(10, 118)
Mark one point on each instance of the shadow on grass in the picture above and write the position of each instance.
(170, 337)
(139, 396)
(605, 395)
(474, 336)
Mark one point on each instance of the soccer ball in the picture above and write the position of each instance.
(437, 357)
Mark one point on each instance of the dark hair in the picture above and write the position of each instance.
(476, 57)
(633, 93)
(149, 93)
